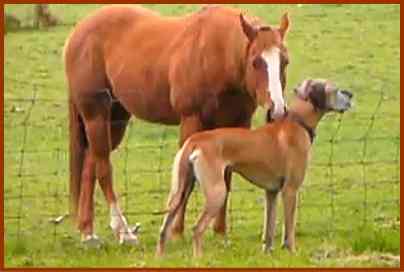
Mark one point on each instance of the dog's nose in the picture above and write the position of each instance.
(347, 93)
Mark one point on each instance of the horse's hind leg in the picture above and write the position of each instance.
(95, 113)
(115, 124)
(214, 188)
(119, 121)
(86, 201)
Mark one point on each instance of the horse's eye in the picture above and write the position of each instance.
(258, 63)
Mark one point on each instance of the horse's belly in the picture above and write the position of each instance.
(141, 85)
(146, 105)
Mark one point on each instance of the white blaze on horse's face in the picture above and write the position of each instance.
(272, 59)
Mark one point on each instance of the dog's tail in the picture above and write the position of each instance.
(182, 177)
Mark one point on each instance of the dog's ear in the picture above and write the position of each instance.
(302, 91)
(318, 96)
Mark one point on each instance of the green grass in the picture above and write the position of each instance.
(346, 208)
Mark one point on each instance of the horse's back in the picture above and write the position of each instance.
(86, 49)
(104, 25)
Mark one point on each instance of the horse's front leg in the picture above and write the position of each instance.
(219, 223)
(189, 125)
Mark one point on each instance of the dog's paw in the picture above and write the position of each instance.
(290, 248)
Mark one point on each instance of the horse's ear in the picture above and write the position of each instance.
(284, 25)
(248, 29)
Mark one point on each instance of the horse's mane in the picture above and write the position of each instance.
(253, 20)
(137, 7)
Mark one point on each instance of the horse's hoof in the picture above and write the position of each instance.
(135, 229)
(128, 239)
(91, 241)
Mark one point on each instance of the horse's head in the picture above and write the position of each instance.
(267, 60)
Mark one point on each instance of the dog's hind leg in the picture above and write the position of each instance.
(270, 220)
(214, 201)
(164, 235)
(210, 174)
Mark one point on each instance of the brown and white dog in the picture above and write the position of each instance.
(273, 157)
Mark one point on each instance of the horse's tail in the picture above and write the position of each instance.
(182, 177)
(77, 148)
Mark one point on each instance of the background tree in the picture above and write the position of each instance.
(43, 17)
(11, 22)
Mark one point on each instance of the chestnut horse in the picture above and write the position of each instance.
(205, 70)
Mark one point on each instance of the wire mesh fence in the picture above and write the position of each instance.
(351, 176)
(353, 179)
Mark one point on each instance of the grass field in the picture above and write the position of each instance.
(349, 212)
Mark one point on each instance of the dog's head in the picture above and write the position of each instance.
(324, 95)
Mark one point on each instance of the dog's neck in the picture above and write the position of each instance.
(304, 113)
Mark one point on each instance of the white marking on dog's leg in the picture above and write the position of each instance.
(272, 59)
(193, 158)
(194, 155)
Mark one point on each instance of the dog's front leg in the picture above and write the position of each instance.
(289, 196)
(269, 220)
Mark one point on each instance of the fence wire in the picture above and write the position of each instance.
(36, 173)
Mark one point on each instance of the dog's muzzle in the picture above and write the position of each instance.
(343, 101)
